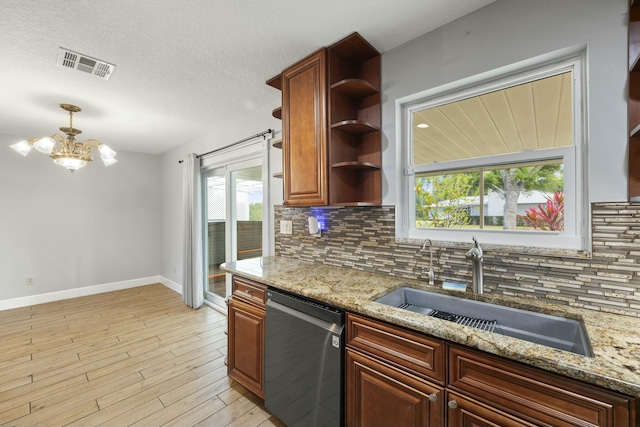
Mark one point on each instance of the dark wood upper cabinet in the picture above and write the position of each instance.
(331, 116)
(304, 131)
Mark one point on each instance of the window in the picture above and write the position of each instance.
(498, 156)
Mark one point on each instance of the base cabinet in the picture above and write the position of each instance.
(383, 396)
(246, 331)
(395, 377)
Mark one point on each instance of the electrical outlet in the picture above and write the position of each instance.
(30, 281)
(286, 227)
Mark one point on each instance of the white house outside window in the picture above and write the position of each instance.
(498, 156)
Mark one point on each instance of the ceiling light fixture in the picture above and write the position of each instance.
(68, 152)
(422, 125)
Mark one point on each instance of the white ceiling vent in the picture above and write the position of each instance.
(81, 62)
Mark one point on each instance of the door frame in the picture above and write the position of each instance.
(236, 158)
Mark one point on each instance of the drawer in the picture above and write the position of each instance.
(249, 291)
(422, 355)
(538, 396)
(462, 411)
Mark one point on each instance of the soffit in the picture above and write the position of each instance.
(531, 116)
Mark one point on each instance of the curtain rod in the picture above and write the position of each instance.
(257, 135)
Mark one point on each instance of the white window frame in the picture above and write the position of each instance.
(576, 234)
(232, 159)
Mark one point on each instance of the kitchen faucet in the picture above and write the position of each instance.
(476, 255)
(432, 275)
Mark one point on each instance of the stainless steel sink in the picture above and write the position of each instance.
(552, 331)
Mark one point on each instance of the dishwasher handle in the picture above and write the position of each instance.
(327, 326)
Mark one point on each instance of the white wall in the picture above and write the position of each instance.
(509, 31)
(73, 230)
(255, 122)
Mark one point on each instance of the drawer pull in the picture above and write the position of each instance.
(452, 404)
(433, 397)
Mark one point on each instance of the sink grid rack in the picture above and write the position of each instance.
(482, 324)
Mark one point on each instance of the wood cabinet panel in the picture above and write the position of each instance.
(534, 395)
(465, 412)
(249, 291)
(381, 395)
(417, 352)
(304, 128)
(246, 345)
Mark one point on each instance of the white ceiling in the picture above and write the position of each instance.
(183, 68)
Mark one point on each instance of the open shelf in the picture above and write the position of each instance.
(356, 165)
(277, 113)
(277, 144)
(354, 88)
(275, 82)
(355, 127)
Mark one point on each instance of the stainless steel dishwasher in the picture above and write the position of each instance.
(303, 361)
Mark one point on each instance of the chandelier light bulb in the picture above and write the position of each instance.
(71, 164)
(106, 152)
(23, 147)
(109, 161)
(44, 145)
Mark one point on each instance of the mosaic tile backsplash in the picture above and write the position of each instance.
(364, 238)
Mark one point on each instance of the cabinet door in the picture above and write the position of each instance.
(462, 412)
(304, 129)
(246, 346)
(380, 395)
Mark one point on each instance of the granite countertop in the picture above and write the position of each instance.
(615, 339)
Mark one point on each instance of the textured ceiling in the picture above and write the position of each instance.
(183, 68)
(531, 116)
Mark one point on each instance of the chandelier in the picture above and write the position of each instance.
(66, 151)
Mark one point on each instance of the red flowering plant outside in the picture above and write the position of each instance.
(549, 217)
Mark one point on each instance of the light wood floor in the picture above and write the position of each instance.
(134, 357)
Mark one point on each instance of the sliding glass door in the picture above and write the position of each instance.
(233, 203)
(215, 229)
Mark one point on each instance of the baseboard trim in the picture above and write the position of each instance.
(171, 284)
(81, 292)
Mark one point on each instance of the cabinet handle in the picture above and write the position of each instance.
(452, 404)
(433, 397)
